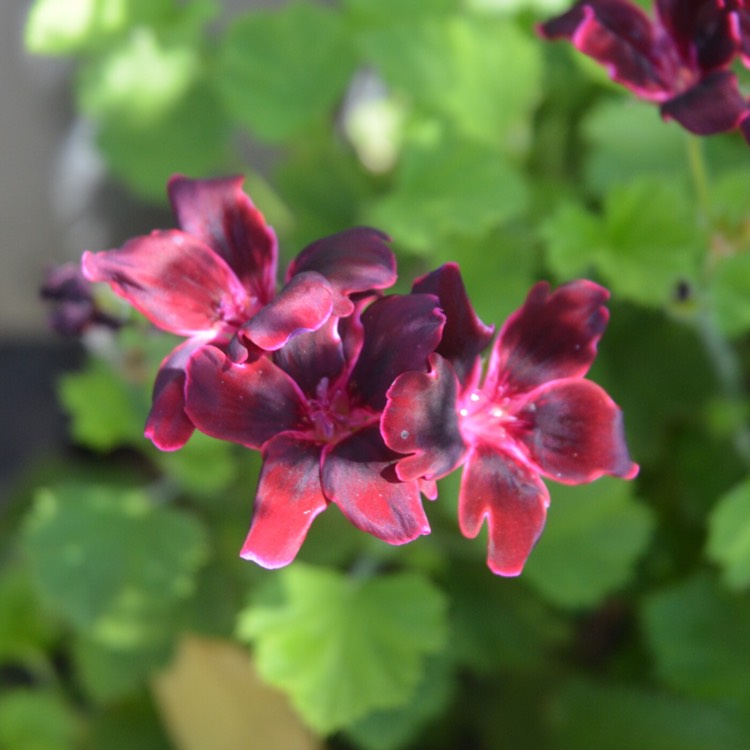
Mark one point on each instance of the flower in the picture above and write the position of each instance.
(313, 408)
(679, 60)
(534, 415)
(213, 281)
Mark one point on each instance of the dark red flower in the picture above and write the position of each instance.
(213, 281)
(313, 408)
(680, 59)
(533, 416)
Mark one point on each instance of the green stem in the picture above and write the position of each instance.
(699, 175)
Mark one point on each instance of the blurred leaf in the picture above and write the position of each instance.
(729, 535)
(730, 293)
(592, 540)
(572, 235)
(280, 70)
(590, 716)
(698, 634)
(342, 647)
(36, 720)
(127, 724)
(111, 561)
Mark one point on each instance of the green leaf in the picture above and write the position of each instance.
(572, 235)
(588, 715)
(278, 71)
(36, 720)
(342, 647)
(592, 540)
(111, 561)
(699, 634)
(730, 293)
(729, 535)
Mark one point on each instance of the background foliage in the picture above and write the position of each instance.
(450, 125)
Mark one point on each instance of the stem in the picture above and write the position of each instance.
(699, 175)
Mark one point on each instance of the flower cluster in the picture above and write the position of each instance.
(361, 398)
(680, 59)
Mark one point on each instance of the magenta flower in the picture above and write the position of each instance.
(313, 408)
(533, 416)
(215, 278)
(679, 60)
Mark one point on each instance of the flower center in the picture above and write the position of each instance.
(480, 417)
(333, 416)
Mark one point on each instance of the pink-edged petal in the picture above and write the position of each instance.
(304, 304)
(400, 332)
(620, 36)
(359, 475)
(574, 432)
(219, 214)
(244, 403)
(714, 105)
(168, 426)
(354, 261)
(465, 337)
(511, 498)
(289, 498)
(421, 418)
(175, 280)
(551, 336)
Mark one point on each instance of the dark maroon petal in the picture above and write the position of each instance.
(513, 500)
(289, 497)
(359, 475)
(245, 403)
(551, 336)
(219, 214)
(421, 418)
(355, 260)
(618, 34)
(575, 433)
(304, 304)
(400, 332)
(175, 280)
(167, 425)
(465, 337)
(714, 105)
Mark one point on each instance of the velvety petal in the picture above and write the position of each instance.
(715, 105)
(289, 498)
(355, 260)
(635, 51)
(359, 475)
(245, 403)
(421, 418)
(513, 500)
(167, 425)
(551, 336)
(219, 214)
(465, 337)
(400, 332)
(574, 432)
(175, 280)
(304, 304)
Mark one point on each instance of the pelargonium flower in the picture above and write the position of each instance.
(534, 415)
(215, 278)
(680, 59)
(313, 408)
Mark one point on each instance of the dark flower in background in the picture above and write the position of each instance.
(680, 59)
(533, 415)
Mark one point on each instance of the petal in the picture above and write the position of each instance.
(304, 304)
(359, 476)
(465, 337)
(400, 332)
(289, 498)
(245, 403)
(421, 418)
(168, 426)
(219, 214)
(574, 432)
(513, 500)
(355, 260)
(551, 336)
(619, 35)
(175, 280)
(715, 105)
